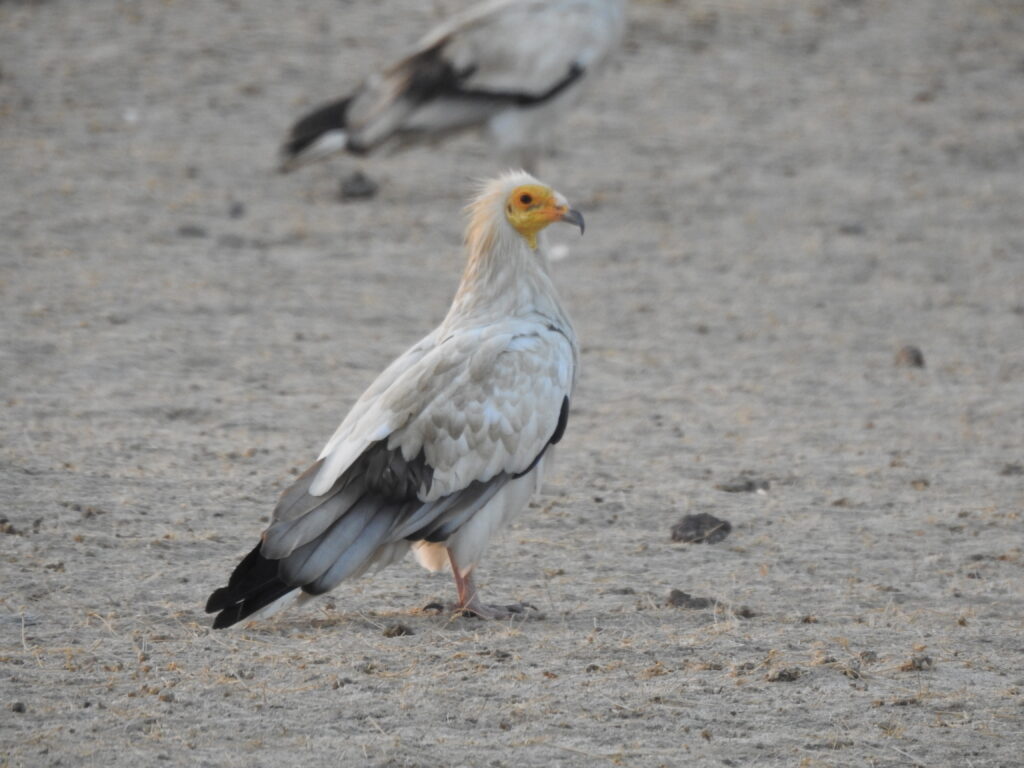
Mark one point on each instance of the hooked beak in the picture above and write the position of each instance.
(572, 216)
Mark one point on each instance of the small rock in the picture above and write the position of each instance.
(745, 484)
(398, 630)
(679, 599)
(701, 529)
(917, 664)
(784, 675)
(358, 186)
(236, 210)
(909, 356)
(19, 707)
(1012, 470)
(191, 230)
(852, 229)
(745, 612)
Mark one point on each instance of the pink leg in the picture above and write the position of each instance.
(470, 603)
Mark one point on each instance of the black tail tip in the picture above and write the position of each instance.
(218, 601)
(228, 617)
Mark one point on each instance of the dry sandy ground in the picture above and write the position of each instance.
(780, 194)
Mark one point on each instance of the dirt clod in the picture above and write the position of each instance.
(398, 630)
(784, 675)
(917, 663)
(745, 484)
(701, 529)
(679, 599)
(357, 186)
(909, 356)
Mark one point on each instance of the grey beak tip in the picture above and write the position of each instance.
(575, 217)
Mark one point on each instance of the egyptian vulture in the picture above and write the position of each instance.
(450, 441)
(510, 66)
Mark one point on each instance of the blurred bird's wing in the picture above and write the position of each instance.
(495, 56)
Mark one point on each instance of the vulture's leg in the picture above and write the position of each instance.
(470, 604)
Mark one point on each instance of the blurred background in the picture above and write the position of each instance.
(781, 196)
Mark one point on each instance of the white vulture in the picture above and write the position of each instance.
(449, 442)
(511, 66)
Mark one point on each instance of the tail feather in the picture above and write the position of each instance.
(253, 585)
(368, 518)
(317, 134)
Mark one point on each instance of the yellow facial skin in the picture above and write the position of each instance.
(532, 207)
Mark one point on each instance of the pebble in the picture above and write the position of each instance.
(745, 484)
(909, 356)
(358, 186)
(679, 599)
(784, 675)
(398, 630)
(701, 529)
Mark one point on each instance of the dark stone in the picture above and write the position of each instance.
(745, 484)
(784, 675)
(679, 599)
(398, 630)
(358, 186)
(701, 529)
(909, 356)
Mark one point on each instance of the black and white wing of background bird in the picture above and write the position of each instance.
(512, 67)
(450, 441)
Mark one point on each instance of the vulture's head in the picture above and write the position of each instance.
(526, 204)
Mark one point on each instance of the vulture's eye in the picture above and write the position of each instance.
(525, 199)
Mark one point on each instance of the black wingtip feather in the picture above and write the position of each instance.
(253, 585)
(329, 117)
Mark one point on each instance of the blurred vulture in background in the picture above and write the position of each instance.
(513, 67)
